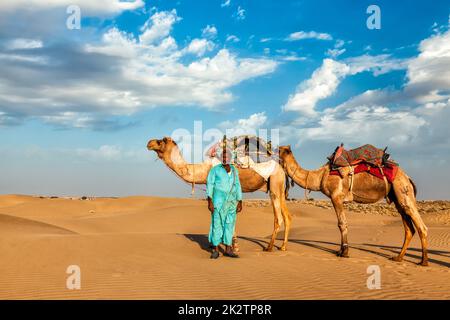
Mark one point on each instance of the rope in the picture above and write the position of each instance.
(174, 172)
(351, 174)
(307, 192)
(292, 179)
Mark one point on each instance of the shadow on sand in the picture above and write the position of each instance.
(202, 241)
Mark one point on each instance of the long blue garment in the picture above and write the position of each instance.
(225, 191)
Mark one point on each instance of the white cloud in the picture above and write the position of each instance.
(7, 120)
(88, 7)
(322, 84)
(325, 80)
(249, 125)
(23, 44)
(293, 57)
(339, 43)
(425, 126)
(338, 49)
(227, 3)
(301, 35)
(429, 73)
(334, 53)
(232, 38)
(379, 64)
(122, 74)
(103, 153)
(209, 32)
(365, 124)
(24, 58)
(200, 46)
(69, 119)
(158, 26)
(240, 13)
(115, 43)
(414, 116)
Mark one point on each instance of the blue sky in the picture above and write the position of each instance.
(78, 106)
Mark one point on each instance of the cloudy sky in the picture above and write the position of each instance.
(77, 106)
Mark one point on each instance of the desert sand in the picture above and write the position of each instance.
(156, 248)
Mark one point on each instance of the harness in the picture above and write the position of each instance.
(307, 191)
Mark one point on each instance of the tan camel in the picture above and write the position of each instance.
(168, 151)
(366, 189)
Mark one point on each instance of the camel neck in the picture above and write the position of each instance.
(307, 179)
(189, 172)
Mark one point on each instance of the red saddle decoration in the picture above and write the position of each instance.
(390, 171)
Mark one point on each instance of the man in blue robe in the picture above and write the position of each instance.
(223, 189)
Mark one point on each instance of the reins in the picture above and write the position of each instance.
(307, 191)
(193, 178)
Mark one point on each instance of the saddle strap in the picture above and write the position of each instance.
(386, 184)
(351, 174)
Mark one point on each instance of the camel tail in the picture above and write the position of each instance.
(287, 187)
(392, 196)
(414, 187)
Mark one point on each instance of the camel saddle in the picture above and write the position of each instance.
(245, 147)
(367, 154)
(366, 158)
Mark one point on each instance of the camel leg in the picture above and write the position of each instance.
(277, 218)
(409, 232)
(407, 201)
(338, 204)
(278, 184)
(422, 230)
(235, 244)
(286, 218)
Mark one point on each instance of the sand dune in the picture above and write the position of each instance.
(156, 248)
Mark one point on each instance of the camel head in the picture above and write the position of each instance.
(161, 146)
(285, 154)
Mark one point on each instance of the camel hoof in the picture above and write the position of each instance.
(423, 263)
(268, 249)
(343, 254)
(396, 259)
(283, 248)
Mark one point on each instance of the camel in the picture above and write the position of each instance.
(168, 151)
(366, 189)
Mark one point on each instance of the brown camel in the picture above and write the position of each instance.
(366, 189)
(168, 151)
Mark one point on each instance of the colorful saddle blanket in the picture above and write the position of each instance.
(389, 171)
(366, 158)
(364, 154)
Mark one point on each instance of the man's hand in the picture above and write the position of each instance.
(239, 206)
(210, 205)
